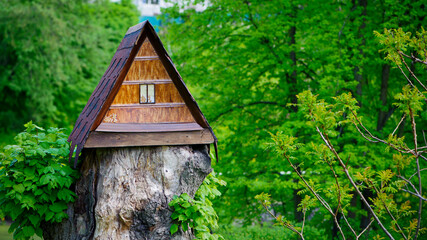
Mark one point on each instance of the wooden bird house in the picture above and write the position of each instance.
(141, 100)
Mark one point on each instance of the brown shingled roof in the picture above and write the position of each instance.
(108, 87)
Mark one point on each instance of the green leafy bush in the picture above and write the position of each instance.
(198, 213)
(266, 232)
(35, 180)
(255, 232)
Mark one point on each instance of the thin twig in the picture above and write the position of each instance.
(417, 172)
(420, 189)
(329, 145)
(421, 156)
(388, 210)
(412, 74)
(424, 136)
(319, 198)
(363, 135)
(303, 222)
(413, 58)
(288, 226)
(338, 185)
(404, 74)
(410, 183)
(415, 194)
(348, 224)
(399, 149)
(366, 228)
(401, 120)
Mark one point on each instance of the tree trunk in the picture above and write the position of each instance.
(382, 116)
(357, 70)
(123, 193)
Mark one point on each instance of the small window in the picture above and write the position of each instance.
(146, 93)
(154, 1)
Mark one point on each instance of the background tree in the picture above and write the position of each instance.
(246, 60)
(52, 54)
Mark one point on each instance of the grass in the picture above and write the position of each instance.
(4, 235)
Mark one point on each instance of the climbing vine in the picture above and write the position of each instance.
(198, 214)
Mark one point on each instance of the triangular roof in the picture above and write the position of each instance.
(103, 95)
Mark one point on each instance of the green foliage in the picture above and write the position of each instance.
(410, 101)
(267, 232)
(384, 183)
(244, 64)
(198, 213)
(255, 233)
(265, 200)
(35, 180)
(52, 55)
(397, 41)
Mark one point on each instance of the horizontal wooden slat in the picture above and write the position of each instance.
(147, 70)
(145, 58)
(164, 93)
(148, 127)
(156, 81)
(179, 114)
(110, 139)
(146, 105)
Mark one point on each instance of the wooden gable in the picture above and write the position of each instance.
(165, 104)
(140, 101)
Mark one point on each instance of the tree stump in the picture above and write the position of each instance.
(123, 193)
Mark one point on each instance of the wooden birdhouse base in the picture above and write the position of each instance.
(104, 139)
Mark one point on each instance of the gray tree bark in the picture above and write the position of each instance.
(123, 193)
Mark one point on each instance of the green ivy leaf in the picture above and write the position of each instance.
(174, 229)
(49, 216)
(13, 226)
(188, 212)
(175, 215)
(182, 217)
(58, 207)
(38, 192)
(28, 231)
(184, 227)
(28, 201)
(186, 205)
(19, 188)
(34, 219)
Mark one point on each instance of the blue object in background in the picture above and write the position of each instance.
(153, 20)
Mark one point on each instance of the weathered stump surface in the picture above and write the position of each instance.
(123, 193)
